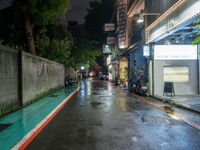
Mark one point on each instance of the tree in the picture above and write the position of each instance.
(197, 39)
(56, 44)
(12, 33)
(39, 13)
(84, 54)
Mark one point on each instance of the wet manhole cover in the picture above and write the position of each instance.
(4, 126)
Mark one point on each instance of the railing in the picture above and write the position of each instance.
(181, 14)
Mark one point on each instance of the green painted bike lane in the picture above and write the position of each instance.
(24, 120)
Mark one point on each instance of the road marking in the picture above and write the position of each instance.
(29, 137)
(174, 115)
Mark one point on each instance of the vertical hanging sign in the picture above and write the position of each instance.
(121, 22)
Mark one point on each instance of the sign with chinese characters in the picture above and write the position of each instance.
(106, 49)
(109, 27)
(111, 40)
(175, 52)
(121, 22)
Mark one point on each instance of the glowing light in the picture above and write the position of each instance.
(175, 116)
(140, 19)
(91, 74)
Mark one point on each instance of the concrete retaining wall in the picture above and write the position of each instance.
(20, 83)
(8, 76)
(69, 71)
(39, 76)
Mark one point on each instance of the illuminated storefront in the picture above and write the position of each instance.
(173, 57)
(123, 70)
(177, 64)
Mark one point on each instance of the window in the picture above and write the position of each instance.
(176, 74)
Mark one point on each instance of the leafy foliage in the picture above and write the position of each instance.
(84, 55)
(52, 41)
(25, 18)
(197, 40)
(11, 29)
(54, 48)
(43, 12)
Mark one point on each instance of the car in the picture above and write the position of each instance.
(103, 77)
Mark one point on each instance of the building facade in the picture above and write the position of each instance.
(166, 34)
(173, 57)
(127, 56)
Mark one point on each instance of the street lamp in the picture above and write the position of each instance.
(141, 16)
(82, 67)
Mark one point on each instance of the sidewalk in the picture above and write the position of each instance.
(189, 102)
(20, 126)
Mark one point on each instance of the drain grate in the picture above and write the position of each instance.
(4, 126)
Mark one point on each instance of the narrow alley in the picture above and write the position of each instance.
(105, 117)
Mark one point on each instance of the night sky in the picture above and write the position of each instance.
(78, 11)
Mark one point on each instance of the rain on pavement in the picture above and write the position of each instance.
(104, 117)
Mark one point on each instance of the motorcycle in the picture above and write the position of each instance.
(139, 87)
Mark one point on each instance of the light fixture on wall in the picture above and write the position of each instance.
(140, 19)
(141, 16)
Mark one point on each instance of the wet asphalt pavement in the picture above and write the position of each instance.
(104, 117)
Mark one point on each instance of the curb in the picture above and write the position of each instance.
(32, 134)
(172, 103)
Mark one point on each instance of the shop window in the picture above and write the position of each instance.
(176, 74)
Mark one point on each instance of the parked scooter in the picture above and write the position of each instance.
(69, 81)
(138, 87)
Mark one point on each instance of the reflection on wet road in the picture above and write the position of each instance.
(103, 117)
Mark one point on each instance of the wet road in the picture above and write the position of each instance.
(103, 117)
